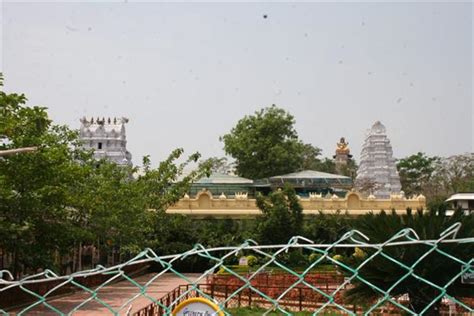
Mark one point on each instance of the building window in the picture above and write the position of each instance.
(99, 145)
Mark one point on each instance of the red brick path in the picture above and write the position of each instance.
(115, 295)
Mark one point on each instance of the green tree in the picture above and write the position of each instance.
(436, 267)
(416, 172)
(312, 161)
(265, 144)
(456, 174)
(350, 170)
(219, 164)
(327, 228)
(282, 216)
(34, 187)
(56, 200)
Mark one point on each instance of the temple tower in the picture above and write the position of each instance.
(343, 155)
(377, 170)
(107, 138)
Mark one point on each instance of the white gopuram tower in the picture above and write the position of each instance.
(377, 165)
(107, 138)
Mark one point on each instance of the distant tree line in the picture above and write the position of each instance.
(61, 209)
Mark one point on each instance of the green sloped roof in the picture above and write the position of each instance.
(222, 178)
(309, 174)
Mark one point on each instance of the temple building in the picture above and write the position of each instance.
(377, 171)
(228, 196)
(107, 138)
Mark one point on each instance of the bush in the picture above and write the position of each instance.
(359, 254)
(314, 257)
(252, 260)
(339, 258)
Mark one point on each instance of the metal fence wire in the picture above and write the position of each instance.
(351, 276)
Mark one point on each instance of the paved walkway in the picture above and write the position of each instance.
(115, 295)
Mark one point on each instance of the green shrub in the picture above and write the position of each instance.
(338, 258)
(314, 257)
(359, 254)
(252, 260)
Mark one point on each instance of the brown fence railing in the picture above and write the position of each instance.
(298, 298)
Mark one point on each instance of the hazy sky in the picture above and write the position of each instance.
(186, 73)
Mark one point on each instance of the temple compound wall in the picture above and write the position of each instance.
(204, 204)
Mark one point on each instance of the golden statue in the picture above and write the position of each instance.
(342, 146)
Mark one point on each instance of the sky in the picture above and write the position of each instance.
(185, 73)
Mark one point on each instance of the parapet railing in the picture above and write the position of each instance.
(404, 274)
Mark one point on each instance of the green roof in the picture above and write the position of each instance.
(309, 174)
(222, 178)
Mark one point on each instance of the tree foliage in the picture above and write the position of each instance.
(282, 216)
(58, 199)
(416, 172)
(266, 144)
(436, 177)
(456, 174)
(312, 161)
(219, 165)
(436, 267)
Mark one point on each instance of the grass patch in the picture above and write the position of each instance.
(260, 311)
(275, 269)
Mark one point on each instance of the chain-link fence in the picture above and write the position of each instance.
(403, 275)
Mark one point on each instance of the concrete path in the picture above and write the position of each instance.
(115, 295)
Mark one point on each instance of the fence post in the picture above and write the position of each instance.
(300, 299)
(226, 295)
(250, 297)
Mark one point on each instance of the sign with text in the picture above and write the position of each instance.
(243, 261)
(468, 276)
(197, 306)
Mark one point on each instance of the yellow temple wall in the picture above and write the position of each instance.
(204, 204)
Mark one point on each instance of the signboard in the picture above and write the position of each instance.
(197, 306)
(243, 261)
(468, 276)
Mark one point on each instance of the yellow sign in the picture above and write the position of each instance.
(197, 306)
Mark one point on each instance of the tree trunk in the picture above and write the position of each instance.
(7, 152)
(79, 257)
(419, 301)
(15, 265)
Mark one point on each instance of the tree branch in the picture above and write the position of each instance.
(17, 151)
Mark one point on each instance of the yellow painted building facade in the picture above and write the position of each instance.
(204, 204)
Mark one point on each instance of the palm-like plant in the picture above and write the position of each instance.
(396, 278)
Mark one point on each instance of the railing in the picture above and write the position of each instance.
(405, 256)
(299, 299)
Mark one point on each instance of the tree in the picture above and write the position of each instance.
(282, 216)
(220, 165)
(265, 144)
(57, 199)
(367, 186)
(311, 160)
(416, 172)
(436, 267)
(456, 174)
(33, 187)
(327, 228)
(350, 170)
